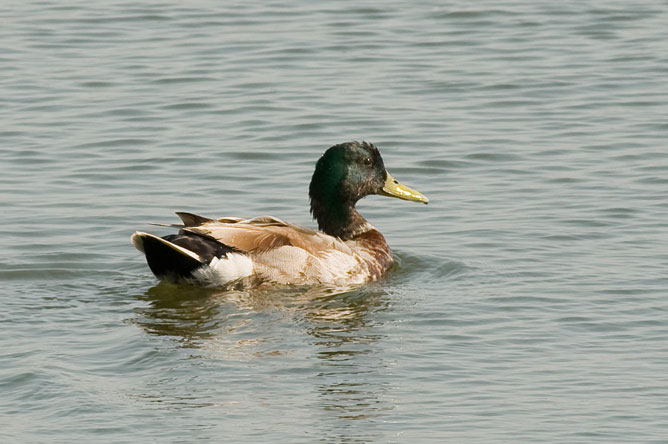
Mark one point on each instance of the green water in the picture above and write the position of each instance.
(529, 301)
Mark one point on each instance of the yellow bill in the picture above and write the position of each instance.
(393, 188)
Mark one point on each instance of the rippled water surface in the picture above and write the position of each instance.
(529, 302)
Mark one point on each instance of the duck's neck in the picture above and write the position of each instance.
(339, 219)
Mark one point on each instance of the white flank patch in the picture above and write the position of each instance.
(343, 267)
(226, 269)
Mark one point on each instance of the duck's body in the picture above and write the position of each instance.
(266, 249)
(347, 249)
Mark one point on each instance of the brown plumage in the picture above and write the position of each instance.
(287, 253)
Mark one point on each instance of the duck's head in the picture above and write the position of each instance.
(343, 175)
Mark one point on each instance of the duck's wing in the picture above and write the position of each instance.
(261, 234)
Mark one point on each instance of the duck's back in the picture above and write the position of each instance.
(287, 253)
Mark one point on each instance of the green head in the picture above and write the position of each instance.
(343, 175)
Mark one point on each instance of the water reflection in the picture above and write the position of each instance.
(336, 334)
(348, 341)
(181, 311)
(197, 314)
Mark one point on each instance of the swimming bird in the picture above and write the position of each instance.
(346, 249)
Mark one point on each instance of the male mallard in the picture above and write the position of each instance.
(347, 249)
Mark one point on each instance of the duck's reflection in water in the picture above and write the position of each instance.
(331, 338)
(352, 385)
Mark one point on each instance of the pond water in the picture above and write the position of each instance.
(529, 301)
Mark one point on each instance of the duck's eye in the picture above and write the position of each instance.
(367, 161)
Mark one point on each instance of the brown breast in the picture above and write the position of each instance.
(375, 244)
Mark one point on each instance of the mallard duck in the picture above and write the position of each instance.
(346, 249)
